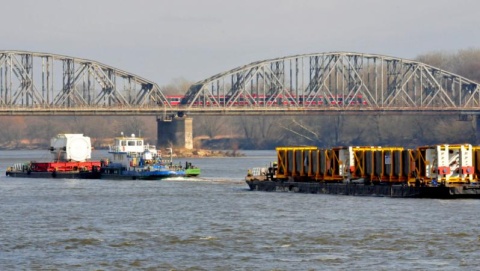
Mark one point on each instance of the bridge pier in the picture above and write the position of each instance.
(476, 126)
(175, 132)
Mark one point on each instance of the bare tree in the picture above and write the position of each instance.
(465, 62)
(210, 126)
(261, 131)
(130, 125)
(12, 131)
(468, 63)
(178, 86)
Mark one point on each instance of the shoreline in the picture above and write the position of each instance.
(177, 153)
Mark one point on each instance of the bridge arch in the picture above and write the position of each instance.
(52, 80)
(341, 80)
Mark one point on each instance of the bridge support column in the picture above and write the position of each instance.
(476, 127)
(175, 132)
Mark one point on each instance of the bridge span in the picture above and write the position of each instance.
(33, 83)
(42, 84)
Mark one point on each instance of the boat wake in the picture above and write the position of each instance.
(183, 179)
(199, 179)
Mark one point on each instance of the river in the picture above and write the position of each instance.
(216, 223)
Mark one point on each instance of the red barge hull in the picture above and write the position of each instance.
(60, 170)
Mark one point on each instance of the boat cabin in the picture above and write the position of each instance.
(132, 151)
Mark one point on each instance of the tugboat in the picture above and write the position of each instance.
(71, 154)
(132, 159)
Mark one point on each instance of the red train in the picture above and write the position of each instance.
(278, 100)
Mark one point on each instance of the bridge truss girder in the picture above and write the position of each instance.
(382, 82)
(50, 80)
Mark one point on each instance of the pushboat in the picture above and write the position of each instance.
(132, 159)
(71, 160)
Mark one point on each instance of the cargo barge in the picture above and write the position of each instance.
(439, 171)
(71, 154)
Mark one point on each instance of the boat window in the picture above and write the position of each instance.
(123, 142)
(131, 143)
(139, 143)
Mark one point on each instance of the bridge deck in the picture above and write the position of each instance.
(191, 111)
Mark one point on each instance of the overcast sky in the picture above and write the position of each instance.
(165, 40)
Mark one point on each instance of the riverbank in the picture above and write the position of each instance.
(177, 153)
(186, 153)
(204, 147)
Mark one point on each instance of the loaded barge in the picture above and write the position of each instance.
(71, 154)
(439, 171)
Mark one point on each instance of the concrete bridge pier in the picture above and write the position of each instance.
(476, 126)
(175, 132)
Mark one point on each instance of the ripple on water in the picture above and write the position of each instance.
(74, 243)
(126, 244)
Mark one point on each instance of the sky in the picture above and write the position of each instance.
(167, 40)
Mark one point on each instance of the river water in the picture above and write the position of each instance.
(216, 223)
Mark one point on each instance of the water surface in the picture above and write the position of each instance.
(216, 223)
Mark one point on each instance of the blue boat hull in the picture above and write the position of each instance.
(113, 173)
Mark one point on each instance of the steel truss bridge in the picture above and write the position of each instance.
(339, 82)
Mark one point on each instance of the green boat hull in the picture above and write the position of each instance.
(192, 172)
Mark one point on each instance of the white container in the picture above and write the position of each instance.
(71, 147)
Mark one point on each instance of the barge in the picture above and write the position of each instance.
(71, 160)
(439, 171)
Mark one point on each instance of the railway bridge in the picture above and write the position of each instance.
(33, 83)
